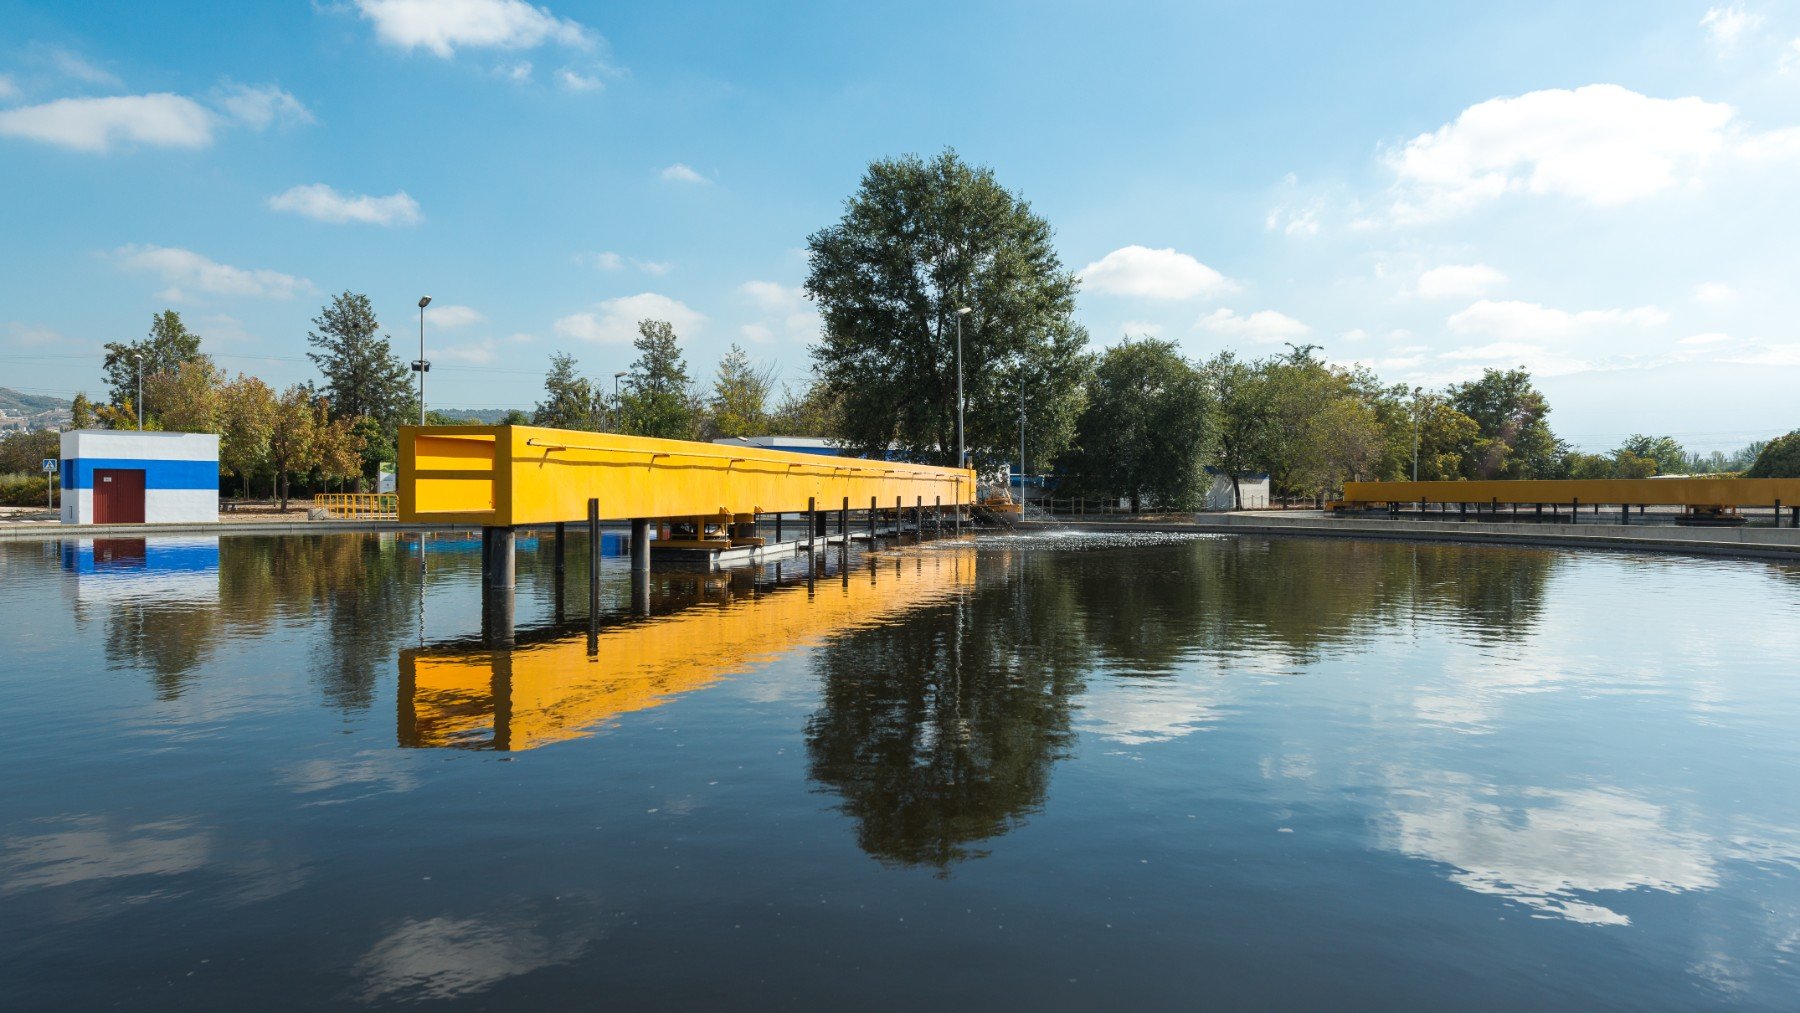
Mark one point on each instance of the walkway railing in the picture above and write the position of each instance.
(359, 505)
(1698, 500)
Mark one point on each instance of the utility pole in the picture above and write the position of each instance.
(421, 366)
(618, 411)
(1021, 438)
(137, 359)
(1415, 415)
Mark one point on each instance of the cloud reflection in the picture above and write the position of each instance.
(444, 958)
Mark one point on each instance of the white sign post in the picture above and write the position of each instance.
(50, 466)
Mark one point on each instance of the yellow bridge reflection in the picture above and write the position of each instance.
(568, 686)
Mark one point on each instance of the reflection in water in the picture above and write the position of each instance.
(557, 686)
(443, 958)
(1544, 848)
(159, 601)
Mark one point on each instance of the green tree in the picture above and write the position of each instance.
(657, 399)
(1241, 416)
(1780, 458)
(1514, 438)
(376, 444)
(363, 376)
(515, 417)
(293, 439)
(186, 397)
(169, 345)
(739, 405)
(1147, 430)
(81, 412)
(570, 401)
(1664, 454)
(918, 241)
(246, 416)
(812, 411)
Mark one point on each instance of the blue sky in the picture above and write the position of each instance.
(1603, 192)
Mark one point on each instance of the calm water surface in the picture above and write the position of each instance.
(1039, 772)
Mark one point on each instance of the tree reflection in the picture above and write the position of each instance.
(939, 730)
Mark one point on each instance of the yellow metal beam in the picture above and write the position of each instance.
(1688, 492)
(553, 691)
(504, 476)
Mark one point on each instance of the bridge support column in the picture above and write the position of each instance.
(812, 534)
(640, 545)
(593, 525)
(844, 522)
(871, 523)
(497, 592)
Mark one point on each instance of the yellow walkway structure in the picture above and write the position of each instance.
(566, 688)
(508, 476)
(1701, 499)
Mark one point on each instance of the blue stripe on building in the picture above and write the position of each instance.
(78, 472)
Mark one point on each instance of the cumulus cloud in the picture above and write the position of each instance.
(615, 321)
(607, 260)
(1263, 325)
(8, 90)
(97, 124)
(1725, 26)
(681, 172)
(448, 317)
(1459, 281)
(1153, 274)
(1714, 292)
(444, 26)
(321, 202)
(572, 81)
(163, 119)
(185, 271)
(1602, 144)
(782, 310)
(483, 352)
(71, 66)
(1524, 321)
(1711, 338)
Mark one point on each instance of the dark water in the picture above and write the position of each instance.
(1037, 773)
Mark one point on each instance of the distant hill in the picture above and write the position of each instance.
(479, 416)
(33, 404)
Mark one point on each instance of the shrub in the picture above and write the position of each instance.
(1779, 459)
(22, 490)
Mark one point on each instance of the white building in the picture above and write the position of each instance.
(112, 476)
(1253, 488)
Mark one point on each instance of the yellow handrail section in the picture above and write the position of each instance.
(1697, 494)
(358, 504)
(505, 476)
(554, 691)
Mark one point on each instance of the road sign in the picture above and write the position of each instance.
(51, 464)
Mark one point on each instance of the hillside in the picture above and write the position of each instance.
(31, 404)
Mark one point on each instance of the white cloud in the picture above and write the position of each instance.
(1263, 325)
(448, 317)
(1153, 274)
(681, 172)
(615, 321)
(1602, 144)
(1714, 292)
(71, 66)
(443, 26)
(258, 107)
(784, 312)
(320, 202)
(607, 260)
(484, 352)
(1705, 339)
(1143, 327)
(572, 81)
(8, 90)
(184, 270)
(1531, 322)
(1726, 25)
(97, 124)
(1459, 281)
(1531, 356)
(162, 119)
(1790, 58)
(1355, 334)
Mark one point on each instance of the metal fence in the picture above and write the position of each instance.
(358, 505)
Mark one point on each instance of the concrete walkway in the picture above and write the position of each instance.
(1778, 543)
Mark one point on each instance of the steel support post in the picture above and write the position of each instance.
(640, 545)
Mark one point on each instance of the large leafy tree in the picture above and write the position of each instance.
(1664, 453)
(1147, 431)
(1241, 404)
(168, 345)
(246, 421)
(658, 400)
(1779, 458)
(294, 437)
(739, 405)
(1513, 432)
(363, 376)
(570, 401)
(917, 241)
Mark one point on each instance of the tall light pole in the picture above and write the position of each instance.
(421, 366)
(1416, 391)
(618, 405)
(961, 456)
(1021, 437)
(137, 359)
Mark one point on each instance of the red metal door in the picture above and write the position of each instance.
(118, 495)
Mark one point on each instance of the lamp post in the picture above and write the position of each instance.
(1416, 391)
(137, 359)
(618, 406)
(1021, 438)
(420, 365)
(961, 456)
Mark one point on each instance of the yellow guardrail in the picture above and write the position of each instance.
(505, 476)
(359, 505)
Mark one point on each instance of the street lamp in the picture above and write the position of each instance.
(961, 457)
(420, 365)
(137, 359)
(618, 414)
(1415, 413)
